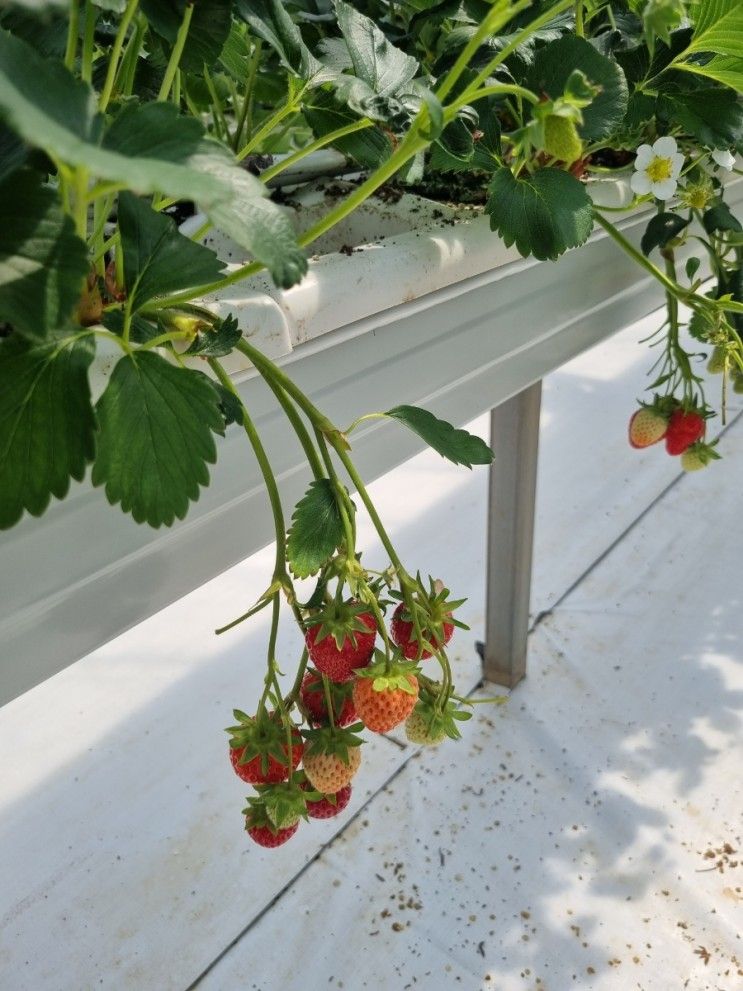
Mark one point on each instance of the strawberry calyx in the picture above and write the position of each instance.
(263, 736)
(436, 721)
(391, 675)
(342, 621)
(285, 803)
(335, 741)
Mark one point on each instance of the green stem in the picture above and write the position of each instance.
(638, 256)
(86, 61)
(113, 60)
(498, 17)
(519, 38)
(81, 202)
(270, 371)
(327, 139)
(264, 464)
(580, 28)
(217, 109)
(271, 652)
(293, 695)
(73, 31)
(496, 89)
(175, 55)
(328, 700)
(128, 68)
(288, 108)
(299, 428)
(245, 120)
(370, 508)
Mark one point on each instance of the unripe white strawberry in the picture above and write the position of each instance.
(646, 427)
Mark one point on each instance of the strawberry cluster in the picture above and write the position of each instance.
(681, 427)
(355, 677)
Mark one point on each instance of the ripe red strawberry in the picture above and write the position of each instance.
(260, 828)
(403, 634)
(434, 609)
(341, 639)
(385, 695)
(312, 696)
(328, 806)
(259, 752)
(684, 429)
(646, 427)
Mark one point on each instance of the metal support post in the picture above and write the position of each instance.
(514, 427)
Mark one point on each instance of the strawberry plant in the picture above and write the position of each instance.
(120, 118)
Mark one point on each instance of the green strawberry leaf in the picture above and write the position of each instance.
(42, 261)
(316, 529)
(661, 229)
(229, 404)
(207, 33)
(375, 60)
(13, 152)
(725, 69)
(720, 218)
(218, 341)
(456, 445)
(719, 28)
(148, 149)
(713, 115)
(553, 67)
(369, 148)
(158, 259)
(253, 221)
(47, 425)
(270, 20)
(156, 437)
(488, 150)
(543, 214)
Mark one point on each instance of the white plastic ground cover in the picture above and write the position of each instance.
(120, 833)
(589, 834)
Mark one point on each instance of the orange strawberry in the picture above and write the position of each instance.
(385, 694)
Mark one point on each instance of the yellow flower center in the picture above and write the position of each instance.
(659, 169)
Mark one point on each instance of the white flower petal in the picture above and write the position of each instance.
(644, 155)
(677, 163)
(664, 190)
(724, 158)
(640, 183)
(665, 147)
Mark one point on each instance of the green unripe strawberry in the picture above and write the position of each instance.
(692, 461)
(738, 382)
(418, 729)
(561, 139)
(716, 363)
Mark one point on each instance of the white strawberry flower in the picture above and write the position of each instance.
(657, 169)
(724, 158)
